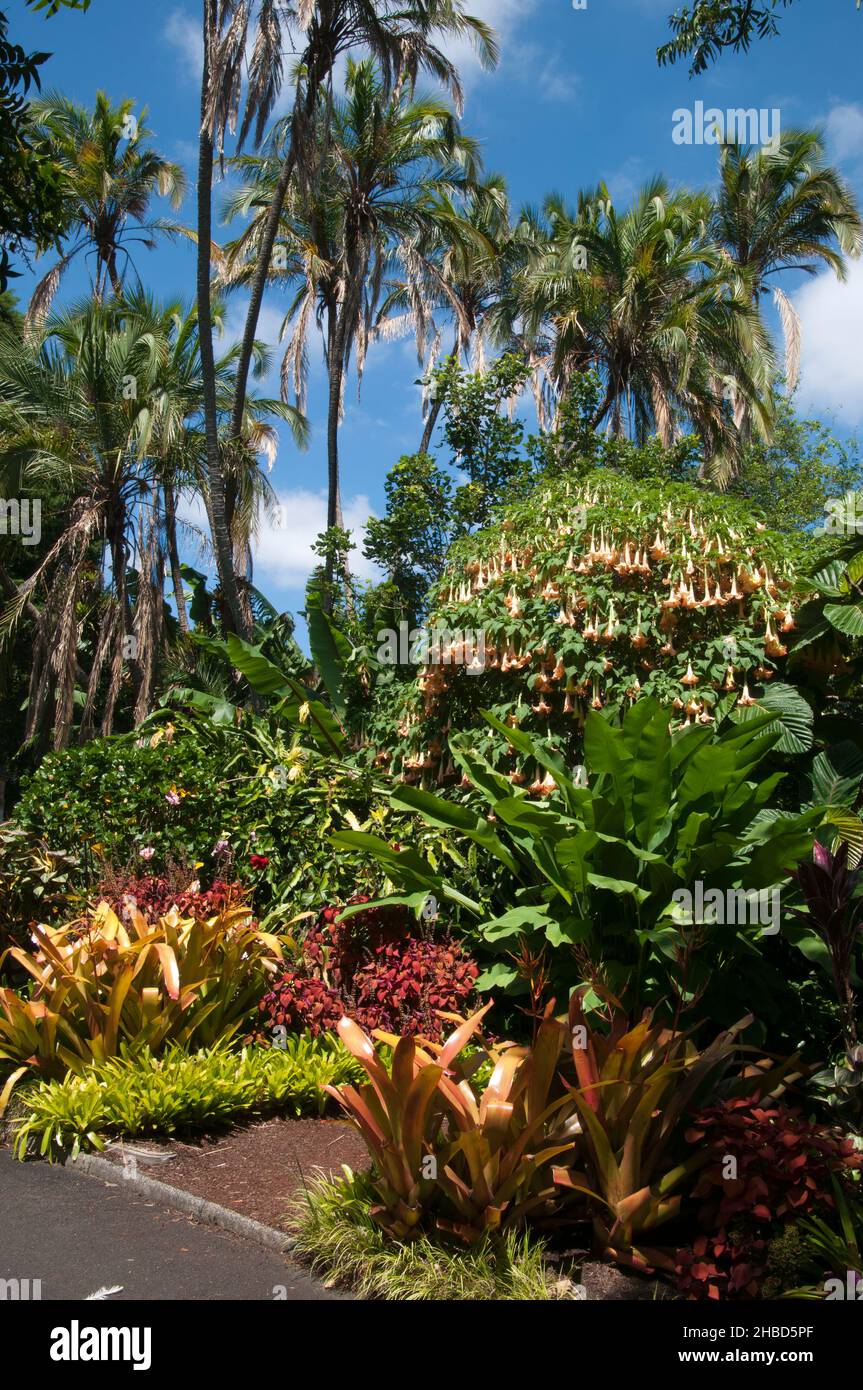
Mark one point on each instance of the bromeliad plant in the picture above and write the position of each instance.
(636, 1084)
(472, 1165)
(100, 982)
(593, 872)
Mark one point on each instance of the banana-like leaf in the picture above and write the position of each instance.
(331, 650)
(449, 815)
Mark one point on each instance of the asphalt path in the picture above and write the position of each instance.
(77, 1234)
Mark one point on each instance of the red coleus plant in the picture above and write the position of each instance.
(722, 1266)
(767, 1164)
(408, 985)
(154, 897)
(370, 968)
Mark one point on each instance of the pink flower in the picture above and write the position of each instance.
(173, 798)
(147, 852)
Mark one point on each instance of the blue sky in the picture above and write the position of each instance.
(578, 97)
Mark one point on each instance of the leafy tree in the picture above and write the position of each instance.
(648, 300)
(401, 38)
(792, 476)
(112, 473)
(459, 269)
(32, 206)
(703, 32)
(410, 541)
(484, 438)
(55, 6)
(428, 506)
(384, 160)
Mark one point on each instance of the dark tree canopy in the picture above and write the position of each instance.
(703, 31)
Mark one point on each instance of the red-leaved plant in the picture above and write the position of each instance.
(834, 909)
(154, 897)
(371, 969)
(768, 1164)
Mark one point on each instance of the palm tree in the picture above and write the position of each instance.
(110, 178)
(398, 33)
(780, 210)
(386, 164)
(103, 413)
(170, 430)
(458, 269)
(647, 300)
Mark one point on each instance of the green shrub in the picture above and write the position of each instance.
(139, 1094)
(589, 880)
(109, 800)
(35, 883)
(210, 798)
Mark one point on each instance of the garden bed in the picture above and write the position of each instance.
(257, 1169)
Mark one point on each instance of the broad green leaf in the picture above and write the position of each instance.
(845, 617)
(514, 923)
(449, 815)
(330, 649)
(605, 751)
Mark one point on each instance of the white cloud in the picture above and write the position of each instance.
(845, 131)
(832, 363)
(184, 35)
(283, 553)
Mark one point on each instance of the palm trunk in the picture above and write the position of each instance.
(265, 254)
(216, 477)
(336, 365)
(436, 406)
(174, 558)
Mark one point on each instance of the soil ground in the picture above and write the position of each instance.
(257, 1169)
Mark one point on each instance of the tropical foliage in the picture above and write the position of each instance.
(539, 854)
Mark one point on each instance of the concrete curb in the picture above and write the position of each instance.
(197, 1207)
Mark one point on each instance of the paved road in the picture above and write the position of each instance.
(78, 1234)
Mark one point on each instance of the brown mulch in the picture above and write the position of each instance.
(258, 1169)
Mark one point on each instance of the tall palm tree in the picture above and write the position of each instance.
(111, 176)
(399, 34)
(387, 162)
(647, 300)
(170, 434)
(784, 209)
(103, 412)
(459, 270)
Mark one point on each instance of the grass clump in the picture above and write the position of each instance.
(337, 1237)
(139, 1094)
